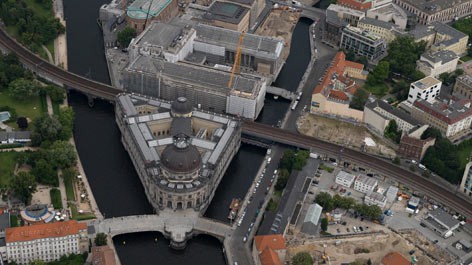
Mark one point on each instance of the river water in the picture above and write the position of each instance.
(113, 179)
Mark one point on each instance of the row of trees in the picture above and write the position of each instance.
(393, 132)
(72, 259)
(289, 162)
(330, 203)
(450, 78)
(10, 70)
(33, 29)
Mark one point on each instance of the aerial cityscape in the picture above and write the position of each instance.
(236, 132)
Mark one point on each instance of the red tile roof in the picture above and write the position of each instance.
(395, 258)
(103, 256)
(269, 257)
(354, 65)
(59, 229)
(338, 95)
(274, 242)
(355, 4)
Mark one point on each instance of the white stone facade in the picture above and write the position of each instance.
(427, 88)
(375, 198)
(345, 179)
(365, 184)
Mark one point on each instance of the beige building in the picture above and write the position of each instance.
(228, 15)
(389, 13)
(255, 8)
(463, 86)
(385, 30)
(434, 64)
(439, 36)
(427, 11)
(466, 184)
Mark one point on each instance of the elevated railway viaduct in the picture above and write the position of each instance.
(95, 89)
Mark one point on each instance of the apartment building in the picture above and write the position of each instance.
(47, 242)
(375, 198)
(385, 30)
(412, 146)
(338, 17)
(363, 43)
(434, 64)
(463, 86)
(365, 184)
(427, 88)
(345, 179)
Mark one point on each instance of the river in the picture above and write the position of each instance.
(113, 179)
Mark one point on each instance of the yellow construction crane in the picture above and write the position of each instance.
(237, 60)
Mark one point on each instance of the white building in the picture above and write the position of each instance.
(391, 193)
(466, 183)
(441, 222)
(434, 64)
(427, 88)
(365, 184)
(345, 179)
(47, 242)
(375, 198)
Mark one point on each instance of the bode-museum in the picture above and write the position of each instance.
(180, 153)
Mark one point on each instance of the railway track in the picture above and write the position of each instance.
(104, 91)
(431, 189)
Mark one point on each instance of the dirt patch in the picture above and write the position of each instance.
(280, 24)
(343, 133)
(362, 248)
(41, 196)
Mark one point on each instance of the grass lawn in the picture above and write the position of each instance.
(56, 198)
(466, 58)
(378, 91)
(50, 46)
(464, 155)
(79, 217)
(14, 221)
(55, 107)
(329, 169)
(38, 8)
(69, 190)
(31, 108)
(7, 165)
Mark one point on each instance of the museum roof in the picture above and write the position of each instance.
(142, 9)
(442, 56)
(433, 6)
(226, 12)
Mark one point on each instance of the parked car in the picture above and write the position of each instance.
(337, 230)
(244, 239)
(360, 228)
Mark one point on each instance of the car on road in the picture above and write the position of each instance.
(311, 192)
(249, 229)
(267, 190)
(250, 199)
(257, 184)
(347, 229)
(360, 228)
(244, 239)
(254, 192)
(338, 230)
(252, 224)
(270, 183)
(335, 164)
(263, 171)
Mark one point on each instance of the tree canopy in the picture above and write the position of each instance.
(403, 52)
(22, 89)
(46, 128)
(379, 74)
(392, 132)
(324, 224)
(56, 93)
(45, 173)
(62, 154)
(126, 35)
(302, 258)
(100, 239)
(359, 99)
(464, 25)
(23, 185)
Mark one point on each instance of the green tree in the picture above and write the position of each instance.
(44, 173)
(302, 258)
(62, 154)
(400, 85)
(56, 93)
(22, 89)
(288, 160)
(324, 224)
(23, 185)
(101, 239)
(46, 128)
(66, 118)
(396, 160)
(359, 99)
(464, 25)
(300, 159)
(69, 174)
(126, 35)
(282, 180)
(363, 60)
(416, 75)
(350, 55)
(374, 212)
(403, 52)
(369, 262)
(325, 200)
(392, 131)
(379, 74)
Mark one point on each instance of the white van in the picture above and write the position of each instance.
(268, 160)
(422, 166)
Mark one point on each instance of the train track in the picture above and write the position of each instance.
(431, 189)
(101, 90)
(71, 80)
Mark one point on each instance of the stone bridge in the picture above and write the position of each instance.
(175, 226)
(281, 92)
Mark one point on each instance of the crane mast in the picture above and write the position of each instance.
(237, 60)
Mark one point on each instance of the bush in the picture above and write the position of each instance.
(56, 198)
(22, 123)
(302, 258)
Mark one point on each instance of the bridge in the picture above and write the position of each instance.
(281, 92)
(96, 89)
(176, 226)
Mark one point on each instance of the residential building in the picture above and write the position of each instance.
(434, 64)
(441, 222)
(47, 242)
(390, 13)
(344, 179)
(378, 113)
(180, 153)
(312, 218)
(427, 89)
(271, 249)
(375, 198)
(439, 36)
(385, 30)
(412, 146)
(427, 11)
(463, 86)
(17, 137)
(363, 43)
(333, 94)
(466, 183)
(395, 258)
(228, 15)
(338, 17)
(103, 255)
(156, 10)
(451, 115)
(413, 203)
(391, 194)
(365, 184)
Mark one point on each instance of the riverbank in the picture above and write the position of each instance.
(60, 43)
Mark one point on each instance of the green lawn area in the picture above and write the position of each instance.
(466, 58)
(79, 217)
(7, 165)
(30, 108)
(12, 31)
(69, 190)
(464, 155)
(38, 8)
(14, 221)
(329, 169)
(50, 46)
(378, 91)
(55, 107)
(56, 199)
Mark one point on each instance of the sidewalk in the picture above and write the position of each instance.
(60, 43)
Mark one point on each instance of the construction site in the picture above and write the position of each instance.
(280, 24)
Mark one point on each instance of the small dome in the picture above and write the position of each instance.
(181, 157)
(181, 106)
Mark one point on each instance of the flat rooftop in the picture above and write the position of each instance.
(226, 12)
(141, 9)
(159, 34)
(443, 56)
(426, 82)
(433, 6)
(342, 9)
